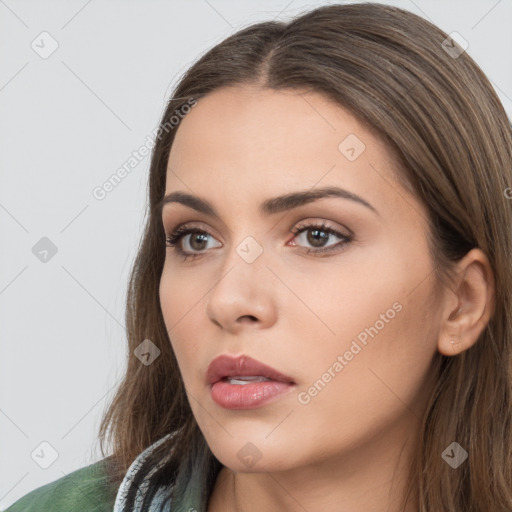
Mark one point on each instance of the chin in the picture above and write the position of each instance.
(253, 454)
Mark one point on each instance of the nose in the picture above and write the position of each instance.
(244, 296)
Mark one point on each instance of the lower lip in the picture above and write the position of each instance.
(247, 396)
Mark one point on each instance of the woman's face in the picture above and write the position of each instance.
(353, 322)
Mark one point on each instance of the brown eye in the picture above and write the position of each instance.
(195, 238)
(318, 236)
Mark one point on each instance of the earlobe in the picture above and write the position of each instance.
(451, 341)
(455, 339)
(473, 297)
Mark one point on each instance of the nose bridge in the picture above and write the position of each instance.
(245, 260)
(246, 243)
(243, 288)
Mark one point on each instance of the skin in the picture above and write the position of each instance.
(298, 312)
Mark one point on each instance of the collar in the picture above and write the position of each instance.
(157, 502)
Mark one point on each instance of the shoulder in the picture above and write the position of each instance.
(84, 490)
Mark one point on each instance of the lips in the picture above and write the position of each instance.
(244, 383)
(225, 366)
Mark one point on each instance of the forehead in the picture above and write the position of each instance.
(269, 121)
(247, 141)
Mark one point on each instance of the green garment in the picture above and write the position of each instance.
(84, 490)
(89, 490)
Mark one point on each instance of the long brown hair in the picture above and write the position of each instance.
(445, 124)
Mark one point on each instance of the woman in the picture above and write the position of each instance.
(319, 314)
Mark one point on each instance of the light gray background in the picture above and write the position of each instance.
(67, 123)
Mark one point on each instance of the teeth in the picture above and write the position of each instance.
(245, 379)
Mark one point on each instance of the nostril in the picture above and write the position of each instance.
(249, 318)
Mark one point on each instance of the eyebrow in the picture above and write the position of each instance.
(269, 206)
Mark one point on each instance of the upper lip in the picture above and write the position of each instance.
(231, 366)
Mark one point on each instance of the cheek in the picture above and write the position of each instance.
(180, 301)
(379, 318)
(376, 384)
(182, 293)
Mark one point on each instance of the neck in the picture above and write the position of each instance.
(372, 477)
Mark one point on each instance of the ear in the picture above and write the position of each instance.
(468, 305)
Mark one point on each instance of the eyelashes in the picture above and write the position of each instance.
(174, 240)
